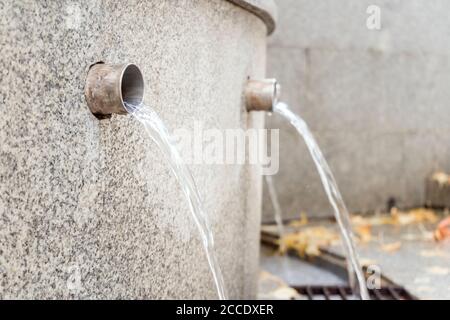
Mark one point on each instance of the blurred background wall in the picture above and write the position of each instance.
(378, 101)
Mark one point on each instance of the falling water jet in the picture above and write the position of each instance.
(263, 95)
(278, 215)
(332, 191)
(119, 89)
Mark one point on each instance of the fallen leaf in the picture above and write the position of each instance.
(443, 230)
(269, 278)
(391, 247)
(308, 241)
(397, 217)
(420, 215)
(364, 233)
(273, 287)
(285, 293)
(303, 221)
(377, 220)
(367, 262)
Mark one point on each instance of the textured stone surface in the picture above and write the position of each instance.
(89, 208)
(377, 101)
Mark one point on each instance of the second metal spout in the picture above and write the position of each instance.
(261, 95)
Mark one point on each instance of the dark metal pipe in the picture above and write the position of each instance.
(261, 95)
(110, 86)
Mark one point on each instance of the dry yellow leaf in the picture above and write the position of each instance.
(377, 220)
(273, 287)
(397, 217)
(420, 215)
(308, 241)
(367, 262)
(443, 230)
(303, 221)
(364, 233)
(391, 247)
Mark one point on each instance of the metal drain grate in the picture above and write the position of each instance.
(345, 293)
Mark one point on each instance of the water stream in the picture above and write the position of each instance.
(332, 191)
(276, 208)
(158, 132)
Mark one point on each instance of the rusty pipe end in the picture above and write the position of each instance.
(261, 95)
(110, 86)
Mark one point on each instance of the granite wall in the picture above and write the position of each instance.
(377, 100)
(90, 209)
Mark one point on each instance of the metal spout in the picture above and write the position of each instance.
(110, 86)
(261, 95)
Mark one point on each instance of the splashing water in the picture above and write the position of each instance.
(158, 132)
(332, 191)
(276, 208)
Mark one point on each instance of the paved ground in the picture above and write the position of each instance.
(407, 255)
(296, 272)
(420, 265)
